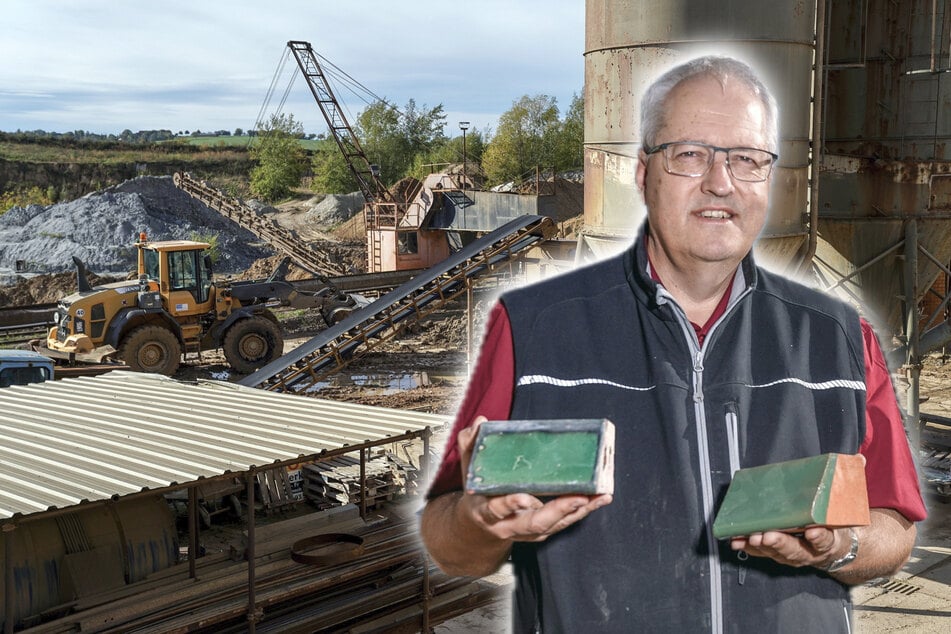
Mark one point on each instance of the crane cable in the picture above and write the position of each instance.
(278, 72)
(330, 69)
(345, 78)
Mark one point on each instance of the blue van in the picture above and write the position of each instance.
(20, 367)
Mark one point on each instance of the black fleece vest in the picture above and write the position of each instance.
(781, 376)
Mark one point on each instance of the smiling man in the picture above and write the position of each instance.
(706, 364)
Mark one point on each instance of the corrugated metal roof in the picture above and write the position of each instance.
(94, 438)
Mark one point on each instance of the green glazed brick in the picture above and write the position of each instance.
(543, 457)
(824, 490)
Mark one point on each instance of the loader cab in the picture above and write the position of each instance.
(181, 271)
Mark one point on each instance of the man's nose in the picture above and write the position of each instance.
(717, 180)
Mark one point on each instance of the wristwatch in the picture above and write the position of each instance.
(848, 557)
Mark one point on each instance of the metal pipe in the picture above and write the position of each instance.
(469, 320)
(192, 530)
(363, 483)
(250, 554)
(932, 339)
(426, 591)
(817, 140)
(934, 27)
(944, 301)
(867, 265)
(912, 358)
(9, 580)
(424, 461)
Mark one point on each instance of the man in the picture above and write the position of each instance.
(705, 364)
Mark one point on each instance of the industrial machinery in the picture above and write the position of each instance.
(280, 238)
(397, 235)
(175, 306)
(304, 367)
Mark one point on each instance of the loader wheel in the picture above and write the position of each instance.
(151, 349)
(252, 343)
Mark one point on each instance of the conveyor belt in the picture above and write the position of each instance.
(279, 237)
(302, 368)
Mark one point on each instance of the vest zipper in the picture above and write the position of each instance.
(706, 488)
(703, 451)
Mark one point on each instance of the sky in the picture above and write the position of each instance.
(108, 65)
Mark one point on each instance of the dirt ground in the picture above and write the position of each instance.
(426, 369)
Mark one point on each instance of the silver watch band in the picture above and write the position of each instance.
(848, 557)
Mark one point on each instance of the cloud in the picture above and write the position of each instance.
(208, 64)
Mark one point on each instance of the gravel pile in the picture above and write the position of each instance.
(101, 228)
(336, 208)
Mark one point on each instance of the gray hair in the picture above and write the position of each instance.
(721, 68)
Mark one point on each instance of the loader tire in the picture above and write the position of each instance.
(151, 349)
(252, 343)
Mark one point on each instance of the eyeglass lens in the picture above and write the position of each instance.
(693, 159)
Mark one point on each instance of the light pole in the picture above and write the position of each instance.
(464, 125)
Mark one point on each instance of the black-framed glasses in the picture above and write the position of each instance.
(691, 158)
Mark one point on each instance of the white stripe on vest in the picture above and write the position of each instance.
(825, 385)
(550, 380)
(534, 379)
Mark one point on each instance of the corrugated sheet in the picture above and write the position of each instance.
(94, 438)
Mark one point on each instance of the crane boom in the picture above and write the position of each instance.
(370, 184)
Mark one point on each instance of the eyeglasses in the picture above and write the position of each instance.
(690, 158)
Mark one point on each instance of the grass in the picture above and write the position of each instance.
(239, 142)
(37, 153)
(189, 149)
(215, 141)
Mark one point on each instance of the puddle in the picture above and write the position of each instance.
(376, 383)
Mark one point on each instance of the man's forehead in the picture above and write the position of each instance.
(707, 100)
(713, 83)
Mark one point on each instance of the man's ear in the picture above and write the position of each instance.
(640, 175)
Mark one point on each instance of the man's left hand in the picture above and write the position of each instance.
(884, 546)
(815, 546)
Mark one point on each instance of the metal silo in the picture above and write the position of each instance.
(885, 176)
(628, 43)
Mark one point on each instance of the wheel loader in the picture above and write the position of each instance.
(175, 307)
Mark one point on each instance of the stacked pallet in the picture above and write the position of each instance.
(380, 589)
(336, 482)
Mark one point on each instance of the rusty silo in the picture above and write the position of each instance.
(629, 42)
(885, 176)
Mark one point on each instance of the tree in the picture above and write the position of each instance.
(569, 141)
(214, 243)
(450, 151)
(378, 129)
(525, 139)
(422, 128)
(281, 160)
(392, 139)
(331, 174)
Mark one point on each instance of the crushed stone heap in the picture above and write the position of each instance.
(101, 228)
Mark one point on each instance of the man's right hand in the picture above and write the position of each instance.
(471, 535)
(520, 516)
